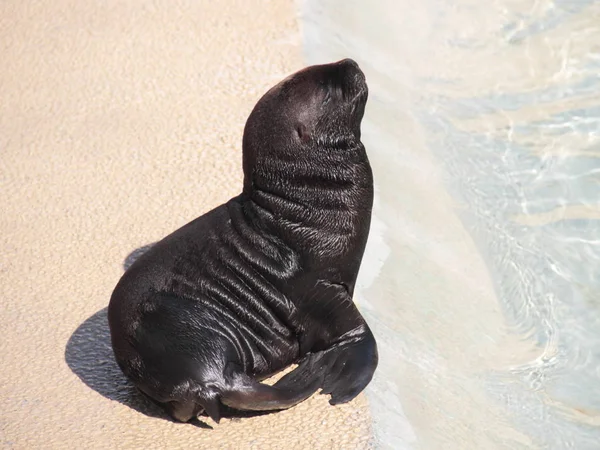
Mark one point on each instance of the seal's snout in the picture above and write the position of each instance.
(348, 62)
(348, 68)
(350, 77)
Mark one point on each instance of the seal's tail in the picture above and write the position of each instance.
(250, 395)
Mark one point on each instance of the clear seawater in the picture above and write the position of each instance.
(481, 279)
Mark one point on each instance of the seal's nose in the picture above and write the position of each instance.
(351, 76)
(344, 79)
(350, 68)
(348, 62)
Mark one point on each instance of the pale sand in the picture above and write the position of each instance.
(119, 122)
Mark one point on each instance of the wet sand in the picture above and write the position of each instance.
(479, 278)
(120, 122)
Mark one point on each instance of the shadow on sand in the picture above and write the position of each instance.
(134, 255)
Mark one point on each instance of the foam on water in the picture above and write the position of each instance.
(480, 278)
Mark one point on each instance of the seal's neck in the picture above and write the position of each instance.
(318, 202)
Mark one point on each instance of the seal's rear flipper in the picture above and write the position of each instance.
(248, 394)
(342, 370)
(189, 406)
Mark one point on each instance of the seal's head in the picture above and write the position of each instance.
(315, 109)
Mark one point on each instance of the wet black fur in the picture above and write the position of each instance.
(265, 280)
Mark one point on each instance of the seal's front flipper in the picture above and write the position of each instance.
(343, 355)
(352, 364)
(342, 370)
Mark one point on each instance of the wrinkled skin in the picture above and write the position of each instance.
(266, 279)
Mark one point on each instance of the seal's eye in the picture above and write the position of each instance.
(303, 132)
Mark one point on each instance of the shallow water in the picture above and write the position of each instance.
(480, 279)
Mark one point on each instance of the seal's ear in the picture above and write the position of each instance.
(303, 132)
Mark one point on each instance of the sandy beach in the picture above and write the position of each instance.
(120, 122)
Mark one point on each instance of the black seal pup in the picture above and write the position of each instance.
(266, 279)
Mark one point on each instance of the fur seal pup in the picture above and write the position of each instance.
(266, 279)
